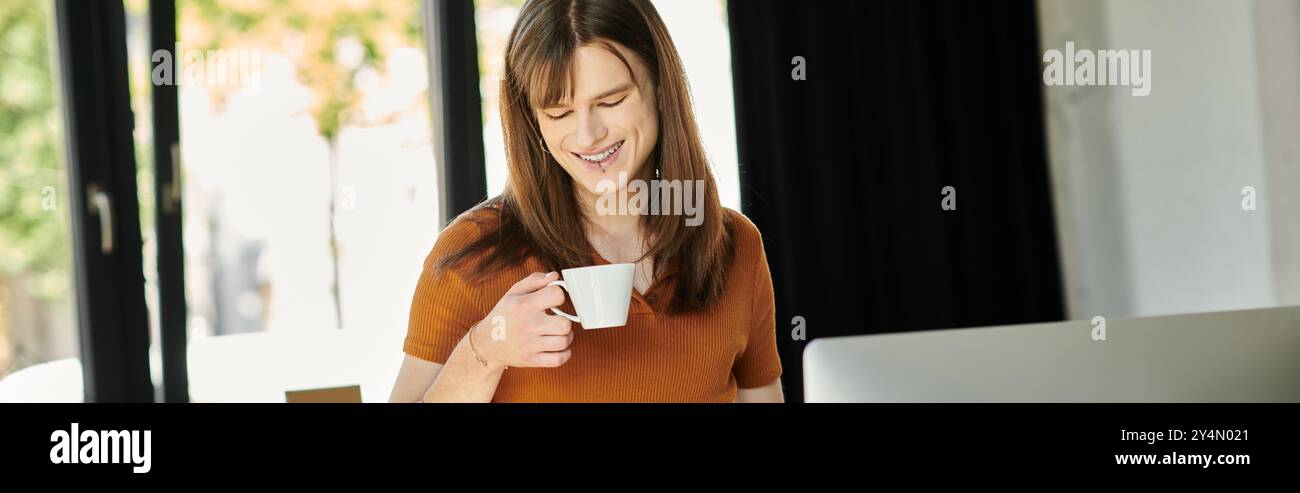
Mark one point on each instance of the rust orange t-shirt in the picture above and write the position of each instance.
(701, 356)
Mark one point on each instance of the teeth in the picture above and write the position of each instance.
(596, 158)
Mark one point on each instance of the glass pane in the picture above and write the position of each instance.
(309, 191)
(38, 335)
(698, 28)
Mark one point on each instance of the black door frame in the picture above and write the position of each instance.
(167, 215)
(105, 229)
(451, 40)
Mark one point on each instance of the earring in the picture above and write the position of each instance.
(656, 172)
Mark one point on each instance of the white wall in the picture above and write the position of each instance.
(1278, 43)
(1147, 190)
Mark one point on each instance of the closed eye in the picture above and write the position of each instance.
(559, 116)
(615, 103)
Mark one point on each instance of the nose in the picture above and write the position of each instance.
(590, 130)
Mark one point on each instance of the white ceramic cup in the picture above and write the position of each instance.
(600, 294)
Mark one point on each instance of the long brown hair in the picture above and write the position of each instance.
(538, 213)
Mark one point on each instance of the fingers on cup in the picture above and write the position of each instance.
(548, 297)
(532, 283)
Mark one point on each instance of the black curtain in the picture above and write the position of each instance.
(843, 171)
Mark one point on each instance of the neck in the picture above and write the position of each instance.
(622, 227)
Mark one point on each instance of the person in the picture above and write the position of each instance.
(594, 102)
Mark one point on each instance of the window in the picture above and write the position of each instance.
(38, 334)
(309, 189)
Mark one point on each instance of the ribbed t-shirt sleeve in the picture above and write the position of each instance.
(760, 364)
(444, 306)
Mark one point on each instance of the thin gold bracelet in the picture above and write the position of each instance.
(473, 351)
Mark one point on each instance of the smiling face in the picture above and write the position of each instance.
(582, 76)
(608, 125)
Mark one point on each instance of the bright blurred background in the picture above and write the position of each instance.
(310, 197)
